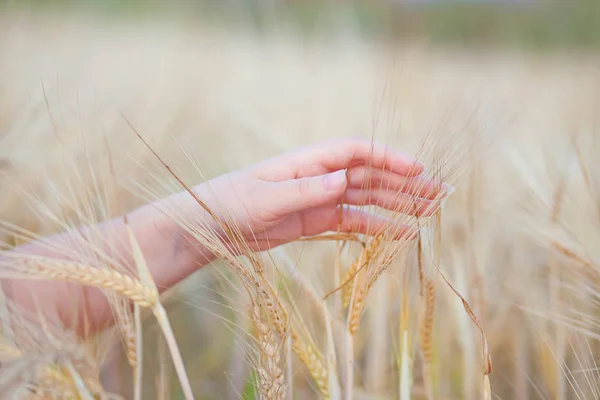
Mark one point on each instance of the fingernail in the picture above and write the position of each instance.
(333, 181)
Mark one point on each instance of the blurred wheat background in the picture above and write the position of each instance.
(231, 83)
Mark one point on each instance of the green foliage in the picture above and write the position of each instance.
(250, 390)
(568, 24)
(572, 24)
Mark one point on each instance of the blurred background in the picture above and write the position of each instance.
(230, 82)
(533, 24)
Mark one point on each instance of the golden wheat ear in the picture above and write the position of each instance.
(327, 379)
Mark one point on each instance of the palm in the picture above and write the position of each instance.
(291, 227)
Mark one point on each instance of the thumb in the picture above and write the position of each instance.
(300, 194)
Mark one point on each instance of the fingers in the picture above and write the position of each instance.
(392, 200)
(283, 198)
(366, 178)
(340, 154)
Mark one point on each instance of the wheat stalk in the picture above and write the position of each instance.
(161, 316)
(406, 363)
(487, 390)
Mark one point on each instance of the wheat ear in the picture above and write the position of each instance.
(360, 287)
(368, 253)
(426, 332)
(314, 362)
(332, 367)
(67, 271)
(271, 379)
(357, 299)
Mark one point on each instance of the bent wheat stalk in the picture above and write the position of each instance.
(161, 316)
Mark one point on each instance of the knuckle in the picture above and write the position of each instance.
(303, 186)
(264, 216)
(357, 175)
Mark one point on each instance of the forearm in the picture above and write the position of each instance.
(170, 253)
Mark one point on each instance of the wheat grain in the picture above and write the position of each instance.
(368, 253)
(273, 307)
(360, 287)
(271, 376)
(46, 268)
(313, 361)
(426, 331)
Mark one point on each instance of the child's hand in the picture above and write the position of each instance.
(299, 193)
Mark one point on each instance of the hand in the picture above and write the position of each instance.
(300, 193)
(270, 203)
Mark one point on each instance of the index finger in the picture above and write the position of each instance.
(337, 154)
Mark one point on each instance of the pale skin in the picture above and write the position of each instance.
(273, 202)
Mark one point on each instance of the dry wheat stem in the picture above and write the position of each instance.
(405, 369)
(161, 316)
(146, 279)
(487, 359)
(406, 362)
(137, 369)
(559, 387)
(487, 390)
(346, 237)
(79, 384)
(289, 371)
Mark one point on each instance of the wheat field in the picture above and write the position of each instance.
(514, 132)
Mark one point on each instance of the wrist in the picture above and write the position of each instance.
(166, 232)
